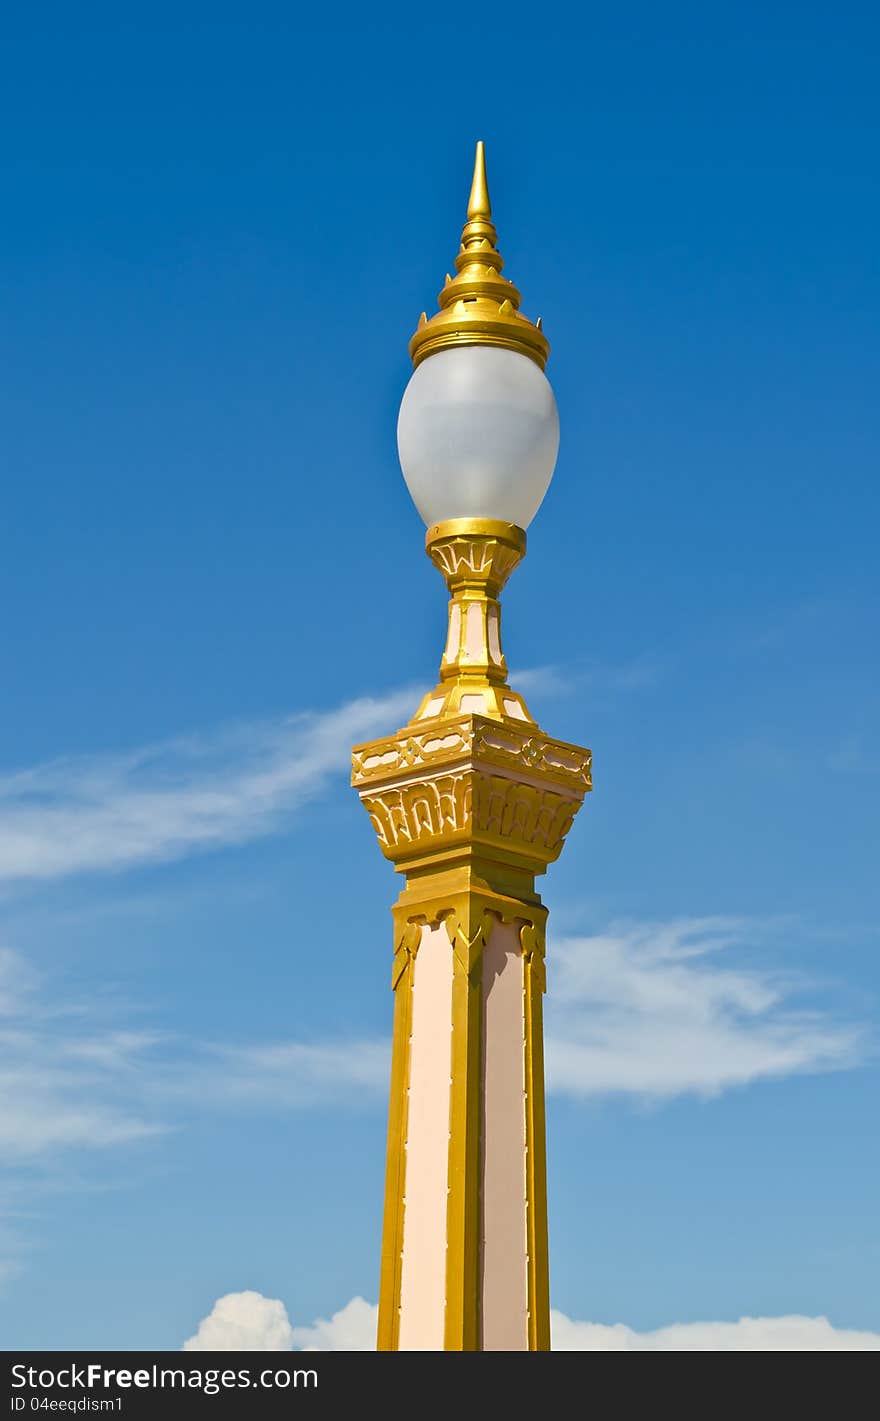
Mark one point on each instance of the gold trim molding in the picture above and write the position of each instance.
(524, 749)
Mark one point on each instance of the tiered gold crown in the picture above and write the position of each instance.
(479, 306)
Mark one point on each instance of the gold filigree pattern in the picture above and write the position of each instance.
(533, 750)
(469, 736)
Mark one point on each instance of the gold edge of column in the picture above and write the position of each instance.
(463, 1322)
(388, 1334)
(536, 1147)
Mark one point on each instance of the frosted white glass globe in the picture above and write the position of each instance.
(478, 435)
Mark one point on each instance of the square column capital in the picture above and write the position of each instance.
(470, 789)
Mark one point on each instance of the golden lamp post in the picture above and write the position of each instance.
(470, 801)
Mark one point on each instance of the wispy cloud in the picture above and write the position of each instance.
(645, 1011)
(64, 1082)
(295, 1073)
(169, 800)
(850, 757)
(69, 1079)
(250, 1322)
(792, 623)
(649, 1010)
(598, 683)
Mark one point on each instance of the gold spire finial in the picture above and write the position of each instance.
(479, 204)
(479, 306)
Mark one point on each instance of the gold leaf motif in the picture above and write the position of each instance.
(468, 947)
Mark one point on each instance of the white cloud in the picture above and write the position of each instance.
(749, 1334)
(352, 1329)
(851, 757)
(648, 1010)
(248, 1320)
(66, 1079)
(292, 1073)
(595, 682)
(651, 1010)
(41, 1120)
(243, 1322)
(642, 1009)
(8, 1269)
(16, 980)
(166, 801)
(543, 681)
(70, 1080)
(64, 1082)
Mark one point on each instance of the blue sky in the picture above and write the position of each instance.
(220, 229)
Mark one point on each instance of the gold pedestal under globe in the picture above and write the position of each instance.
(470, 801)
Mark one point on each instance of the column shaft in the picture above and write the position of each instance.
(470, 810)
(464, 1180)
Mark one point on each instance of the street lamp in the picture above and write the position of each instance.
(470, 801)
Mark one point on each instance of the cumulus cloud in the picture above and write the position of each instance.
(243, 1322)
(648, 1009)
(352, 1329)
(255, 1319)
(750, 1334)
(169, 800)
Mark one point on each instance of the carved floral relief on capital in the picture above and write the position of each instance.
(429, 809)
(487, 805)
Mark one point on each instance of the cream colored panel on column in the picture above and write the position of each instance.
(453, 639)
(423, 1275)
(475, 632)
(494, 636)
(505, 1262)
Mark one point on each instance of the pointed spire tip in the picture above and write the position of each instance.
(479, 306)
(479, 207)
